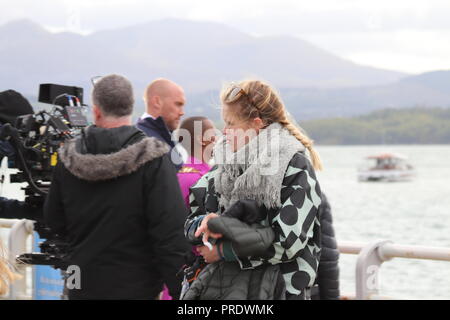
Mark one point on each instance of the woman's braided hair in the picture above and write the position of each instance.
(258, 99)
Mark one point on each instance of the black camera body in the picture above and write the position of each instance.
(36, 139)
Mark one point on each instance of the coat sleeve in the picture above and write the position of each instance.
(246, 240)
(166, 213)
(296, 223)
(202, 201)
(15, 209)
(328, 273)
(54, 215)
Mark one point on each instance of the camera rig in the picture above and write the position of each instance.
(36, 139)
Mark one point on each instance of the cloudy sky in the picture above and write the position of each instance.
(405, 35)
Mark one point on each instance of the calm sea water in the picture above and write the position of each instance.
(415, 213)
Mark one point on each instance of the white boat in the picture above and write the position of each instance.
(386, 167)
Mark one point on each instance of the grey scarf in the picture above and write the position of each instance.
(255, 171)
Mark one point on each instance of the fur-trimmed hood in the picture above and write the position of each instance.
(97, 165)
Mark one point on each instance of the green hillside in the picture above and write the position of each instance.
(388, 126)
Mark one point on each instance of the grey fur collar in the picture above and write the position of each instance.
(98, 167)
(257, 170)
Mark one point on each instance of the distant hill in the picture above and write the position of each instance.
(435, 80)
(427, 90)
(389, 126)
(201, 56)
(430, 89)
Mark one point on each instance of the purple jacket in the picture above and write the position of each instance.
(189, 174)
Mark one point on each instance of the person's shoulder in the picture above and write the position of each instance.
(213, 168)
(299, 170)
(146, 125)
(209, 176)
(145, 152)
(206, 180)
(300, 161)
(162, 161)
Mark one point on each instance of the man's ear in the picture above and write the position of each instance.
(157, 103)
(97, 113)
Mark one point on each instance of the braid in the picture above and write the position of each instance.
(305, 140)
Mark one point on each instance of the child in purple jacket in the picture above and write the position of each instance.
(197, 136)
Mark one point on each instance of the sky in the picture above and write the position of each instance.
(412, 36)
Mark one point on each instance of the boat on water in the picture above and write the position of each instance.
(388, 167)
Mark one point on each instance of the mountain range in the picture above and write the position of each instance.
(202, 56)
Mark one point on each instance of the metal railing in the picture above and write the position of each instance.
(372, 255)
(370, 258)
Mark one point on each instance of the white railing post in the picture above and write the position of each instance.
(367, 270)
(17, 244)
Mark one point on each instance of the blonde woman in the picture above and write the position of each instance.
(262, 158)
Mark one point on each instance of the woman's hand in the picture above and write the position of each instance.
(204, 229)
(210, 256)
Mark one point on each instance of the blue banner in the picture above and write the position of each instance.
(48, 282)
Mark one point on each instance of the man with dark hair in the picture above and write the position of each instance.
(116, 199)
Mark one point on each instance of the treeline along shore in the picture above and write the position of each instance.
(417, 125)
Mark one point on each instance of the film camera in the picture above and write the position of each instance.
(35, 139)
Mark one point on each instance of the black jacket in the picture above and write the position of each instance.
(224, 280)
(116, 198)
(328, 273)
(14, 209)
(157, 128)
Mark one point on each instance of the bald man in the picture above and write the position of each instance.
(165, 103)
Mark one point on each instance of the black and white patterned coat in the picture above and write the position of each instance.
(297, 245)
